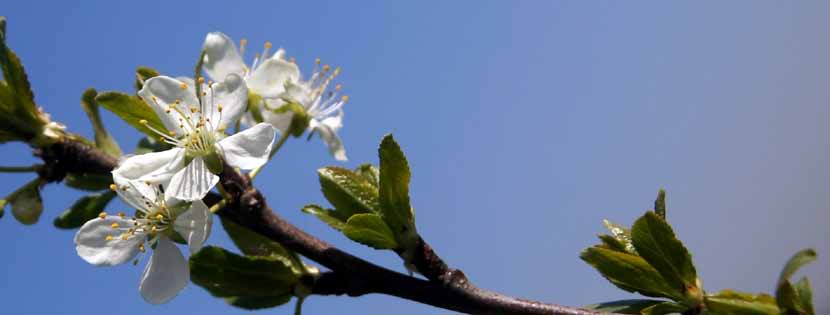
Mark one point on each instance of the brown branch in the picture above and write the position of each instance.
(447, 288)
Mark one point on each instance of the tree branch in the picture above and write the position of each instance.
(447, 288)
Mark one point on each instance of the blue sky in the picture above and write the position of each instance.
(525, 122)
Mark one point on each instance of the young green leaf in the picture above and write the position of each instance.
(788, 300)
(370, 230)
(805, 295)
(394, 191)
(225, 274)
(728, 302)
(88, 182)
(621, 234)
(664, 308)
(253, 244)
(328, 216)
(370, 172)
(629, 272)
(103, 140)
(133, 111)
(348, 192)
(84, 209)
(612, 243)
(660, 204)
(19, 119)
(624, 306)
(27, 206)
(656, 243)
(798, 260)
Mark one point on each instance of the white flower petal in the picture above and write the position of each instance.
(92, 245)
(135, 171)
(166, 274)
(222, 57)
(232, 95)
(191, 183)
(249, 148)
(268, 79)
(328, 132)
(194, 225)
(167, 91)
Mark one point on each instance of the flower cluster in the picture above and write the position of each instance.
(166, 187)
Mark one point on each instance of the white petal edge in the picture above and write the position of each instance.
(269, 78)
(166, 274)
(192, 182)
(328, 132)
(232, 95)
(195, 225)
(135, 171)
(92, 245)
(249, 148)
(167, 91)
(222, 57)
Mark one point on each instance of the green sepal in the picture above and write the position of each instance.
(132, 110)
(370, 230)
(299, 120)
(213, 162)
(795, 299)
(728, 302)
(84, 209)
(664, 308)
(254, 101)
(657, 244)
(142, 74)
(245, 281)
(103, 140)
(26, 203)
(798, 260)
(629, 272)
(624, 306)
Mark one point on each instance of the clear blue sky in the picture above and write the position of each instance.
(526, 123)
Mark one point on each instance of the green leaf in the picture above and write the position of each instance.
(370, 172)
(103, 140)
(88, 182)
(328, 216)
(299, 120)
(371, 230)
(348, 192)
(621, 234)
(660, 204)
(132, 110)
(728, 302)
(225, 274)
(20, 115)
(624, 306)
(253, 244)
(394, 191)
(656, 243)
(612, 243)
(664, 308)
(258, 302)
(27, 206)
(143, 74)
(629, 272)
(805, 295)
(84, 209)
(798, 260)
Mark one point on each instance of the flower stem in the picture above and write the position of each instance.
(20, 169)
(283, 137)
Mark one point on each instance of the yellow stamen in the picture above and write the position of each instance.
(114, 225)
(102, 215)
(124, 236)
(143, 121)
(108, 238)
(159, 216)
(113, 187)
(326, 68)
(201, 80)
(183, 86)
(267, 45)
(141, 248)
(345, 98)
(122, 214)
